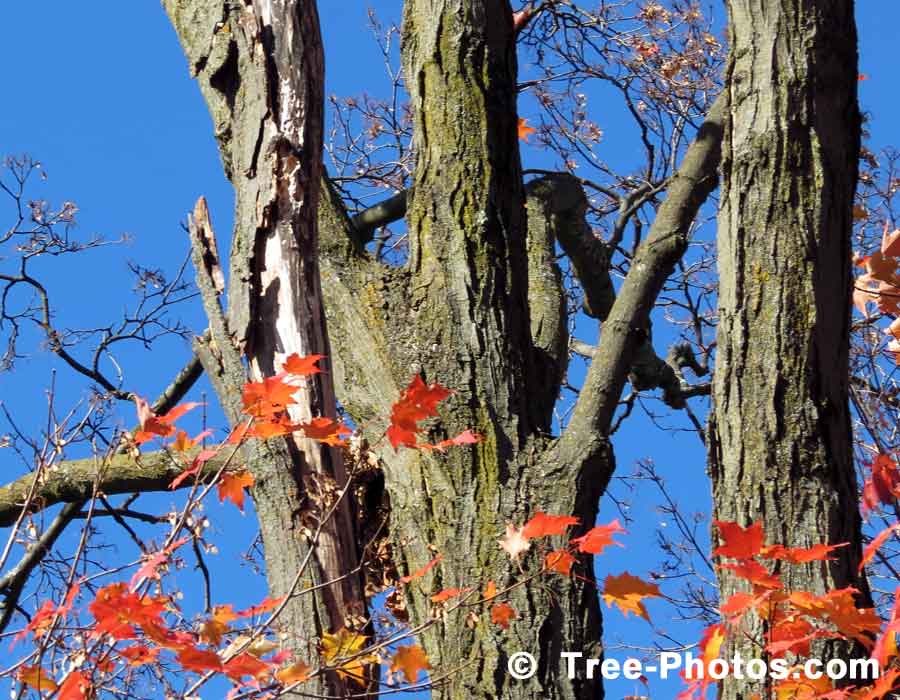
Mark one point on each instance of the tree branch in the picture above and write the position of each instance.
(13, 582)
(627, 326)
(73, 481)
(369, 220)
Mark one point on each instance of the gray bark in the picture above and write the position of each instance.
(260, 67)
(779, 438)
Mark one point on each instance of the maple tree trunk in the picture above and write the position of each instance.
(780, 437)
(260, 67)
(477, 308)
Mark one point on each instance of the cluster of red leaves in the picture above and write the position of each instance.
(793, 619)
(123, 614)
(625, 591)
(268, 403)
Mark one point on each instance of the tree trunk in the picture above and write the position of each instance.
(260, 67)
(477, 308)
(780, 437)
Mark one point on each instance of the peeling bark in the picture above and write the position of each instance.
(260, 67)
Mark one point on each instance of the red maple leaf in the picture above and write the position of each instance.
(599, 538)
(196, 465)
(417, 402)
(881, 487)
(543, 525)
(739, 542)
(876, 544)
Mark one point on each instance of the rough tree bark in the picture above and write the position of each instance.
(477, 307)
(779, 438)
(260, 67)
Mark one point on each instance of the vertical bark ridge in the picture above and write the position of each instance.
(780, 440)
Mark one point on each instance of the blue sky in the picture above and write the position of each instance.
(100, 93)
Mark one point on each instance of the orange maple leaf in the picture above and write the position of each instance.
(232, 485)
(199, 660)
(886, 645)
(754, 572)
(270, 396)
(886, 683)
(739, 542)
(37, 678)
(411, 661)
(239, 433)
(739, 603)
(183, 443)
(502, 614)
(801, 555)
(266, 605)
(139, 655)
(295, 673)
(627, 592)
(490, 591)
(524, 130)
(448, 594)
(75, 686)
(599, 538)
(327, 430)
(466, 437)
(798, 687)
(246, 665)
(559, 561)
(543, 525)
(116, 610)
(212, 630)
(302, 366)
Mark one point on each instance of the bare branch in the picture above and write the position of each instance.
(627, 326)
